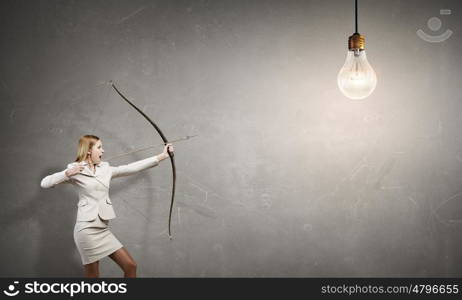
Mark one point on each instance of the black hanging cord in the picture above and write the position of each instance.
(356, 16)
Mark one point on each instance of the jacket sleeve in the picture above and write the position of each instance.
(55, 179)
(135, 167)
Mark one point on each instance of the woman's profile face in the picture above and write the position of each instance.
(96, 152)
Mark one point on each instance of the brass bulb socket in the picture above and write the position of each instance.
(356, 42)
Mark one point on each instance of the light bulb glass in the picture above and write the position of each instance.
(356, 79)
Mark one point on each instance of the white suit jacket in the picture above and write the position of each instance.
(93, 188)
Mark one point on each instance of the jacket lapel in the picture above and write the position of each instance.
(87, 172)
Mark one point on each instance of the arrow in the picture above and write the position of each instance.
(149, 147)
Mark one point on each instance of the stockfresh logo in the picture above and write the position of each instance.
(67, 288)
(435, 25)
(11, 290)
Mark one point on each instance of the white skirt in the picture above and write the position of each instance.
(94, 240)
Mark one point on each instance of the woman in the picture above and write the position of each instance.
(91, 177)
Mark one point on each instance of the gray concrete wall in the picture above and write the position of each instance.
(287, 177)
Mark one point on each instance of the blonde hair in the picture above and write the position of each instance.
(86, 142)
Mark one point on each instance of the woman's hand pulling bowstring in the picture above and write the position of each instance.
(74, 170)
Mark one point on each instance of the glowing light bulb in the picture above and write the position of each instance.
(356, 79)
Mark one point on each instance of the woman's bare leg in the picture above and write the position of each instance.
(92, 270)
(125, 261)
